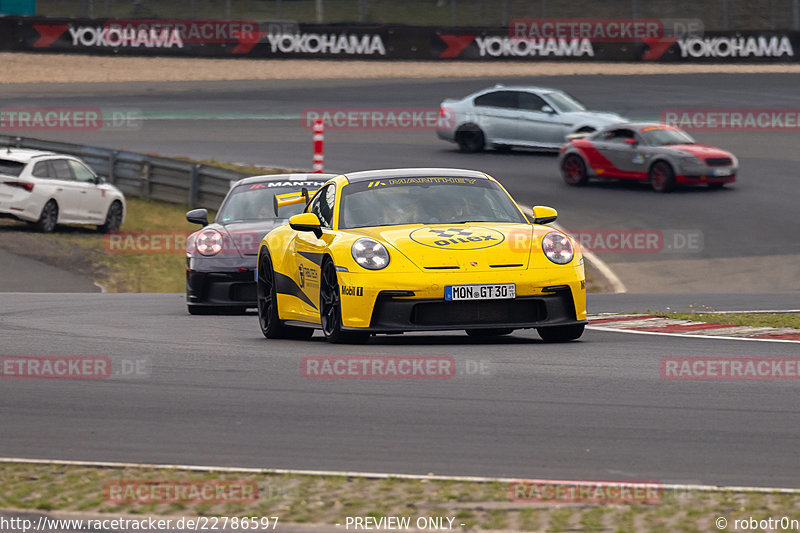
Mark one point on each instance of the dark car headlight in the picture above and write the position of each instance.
(558, 248)
(370, 254)
(208, 242)
(689, 159)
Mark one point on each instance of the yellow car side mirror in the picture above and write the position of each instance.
(544, 215)
(306, 222)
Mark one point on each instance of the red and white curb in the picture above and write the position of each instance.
(656, 325)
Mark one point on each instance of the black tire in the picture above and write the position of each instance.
(271, 325)
(49, 217)
(493, 332)
(113, 218)
(561, 333)
(662, 177)
(573, 170)
(470, 139)
(330, 309)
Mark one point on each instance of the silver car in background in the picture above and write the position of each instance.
(525, 117)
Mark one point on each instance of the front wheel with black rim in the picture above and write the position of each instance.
(470, 139)
(271, 325)
(561, 333)
(330, 309)
(573, 170)
(662, 177)
(113, 218)
(49, 217)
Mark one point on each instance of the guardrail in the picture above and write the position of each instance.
(145, 176)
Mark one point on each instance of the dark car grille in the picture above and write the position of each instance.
(243, 292)
(718, 161)
(478, 312)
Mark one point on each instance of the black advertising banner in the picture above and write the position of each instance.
(524, 40)
(200, 38)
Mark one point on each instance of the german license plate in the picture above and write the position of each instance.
(480, 292)
(722, 172)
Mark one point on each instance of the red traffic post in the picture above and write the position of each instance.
(319, 137)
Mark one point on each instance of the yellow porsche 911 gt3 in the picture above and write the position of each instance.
(389, 251)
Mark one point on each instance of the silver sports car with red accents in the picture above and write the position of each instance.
(662, 155)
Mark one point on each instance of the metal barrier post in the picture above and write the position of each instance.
(194, 185)
(112, 163)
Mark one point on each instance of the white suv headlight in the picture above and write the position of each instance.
(209, 242)
(370, 254)
(558, 248)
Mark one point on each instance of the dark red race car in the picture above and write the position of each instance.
(663, 155)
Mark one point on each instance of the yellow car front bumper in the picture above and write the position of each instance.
(393, 302)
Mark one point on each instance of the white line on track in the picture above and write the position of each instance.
(383, 475)
(764, 311)
(687, 335)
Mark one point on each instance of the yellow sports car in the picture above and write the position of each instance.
(389, 251)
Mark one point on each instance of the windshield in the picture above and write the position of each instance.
(254, 201)
(11, 168)
(657, 136)
(428, 200)
(565, 103)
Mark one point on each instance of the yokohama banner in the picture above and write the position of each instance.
(528, 40)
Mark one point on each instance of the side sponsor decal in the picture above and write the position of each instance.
(308, 276)
(348, 290)
(286, 285)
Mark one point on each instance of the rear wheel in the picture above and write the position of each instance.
(268, 318)
(561, 333)
(113, 218)
(492, 332)
(662, 177)
(573, 170)
(49, 217)
(330, 309)
(470, 139)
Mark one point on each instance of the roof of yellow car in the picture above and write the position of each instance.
(414, 173)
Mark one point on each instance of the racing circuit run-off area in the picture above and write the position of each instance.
(456, 266)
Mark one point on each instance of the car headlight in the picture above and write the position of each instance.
(370, 254)
(209, 242)
(558, 248)
(689, 159)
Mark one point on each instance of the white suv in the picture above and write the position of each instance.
(46, 189)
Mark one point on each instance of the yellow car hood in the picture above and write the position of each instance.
(474, 246)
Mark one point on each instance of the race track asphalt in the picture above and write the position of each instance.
(215, 392)
(749, 231)
(23, 273)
